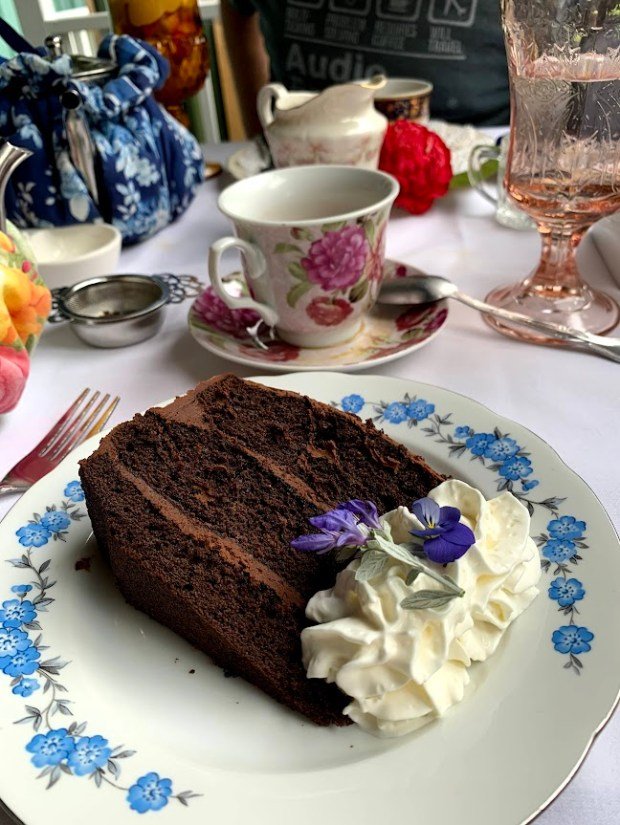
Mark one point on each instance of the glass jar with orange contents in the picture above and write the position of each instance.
(175, 29)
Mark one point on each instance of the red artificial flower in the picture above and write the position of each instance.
(420, 162)
(328, 312)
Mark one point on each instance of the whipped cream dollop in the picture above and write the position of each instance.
(402, 668)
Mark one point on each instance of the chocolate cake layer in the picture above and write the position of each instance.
(195, 505)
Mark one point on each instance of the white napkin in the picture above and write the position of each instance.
(606, 236)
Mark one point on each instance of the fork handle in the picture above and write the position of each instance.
(13, 486)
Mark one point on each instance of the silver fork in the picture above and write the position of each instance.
(78, 423)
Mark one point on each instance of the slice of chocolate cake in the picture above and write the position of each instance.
(195, 505)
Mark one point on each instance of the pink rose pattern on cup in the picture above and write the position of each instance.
(213, 311)
(343, 259)
(337, 260)
(329, 312)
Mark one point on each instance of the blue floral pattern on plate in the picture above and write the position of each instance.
(511, 463)
(60, 751)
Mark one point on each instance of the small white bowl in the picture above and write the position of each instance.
(66, 255)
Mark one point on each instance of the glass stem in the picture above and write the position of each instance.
(557, 275)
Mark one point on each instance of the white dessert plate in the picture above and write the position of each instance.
(387, 333)
(135, 720)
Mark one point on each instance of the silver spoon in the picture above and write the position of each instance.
(425, 289)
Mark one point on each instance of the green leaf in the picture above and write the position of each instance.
(426, 599)
(460, 180)
(297, 271)
(358, 291)
(345, 554)
(301, 234)
(411, 334)
(412, 575)
(370, 231)
(451, 581)
(333, 227)
(371, 564)
(286, 247)
(393, 550)
(31, 340)
(296, 292)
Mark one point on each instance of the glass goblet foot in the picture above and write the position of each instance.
(577, 306)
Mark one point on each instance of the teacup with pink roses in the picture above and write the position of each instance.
(312, 240)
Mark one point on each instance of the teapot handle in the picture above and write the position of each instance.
(265, 100)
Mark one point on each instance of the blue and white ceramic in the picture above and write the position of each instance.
(105, 716)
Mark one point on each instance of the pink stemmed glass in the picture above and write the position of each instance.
(563, 164)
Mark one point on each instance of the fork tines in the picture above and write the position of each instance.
(79, 422)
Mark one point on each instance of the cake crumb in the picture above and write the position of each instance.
(176, 659)
(192, 671)
(83, 564)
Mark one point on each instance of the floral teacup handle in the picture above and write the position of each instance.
(255, 268)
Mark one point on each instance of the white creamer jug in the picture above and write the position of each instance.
(337, 125)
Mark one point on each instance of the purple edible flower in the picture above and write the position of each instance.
(347, 525)
(445, 538)
(366, 512)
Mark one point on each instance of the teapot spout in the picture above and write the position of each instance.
(10, 158)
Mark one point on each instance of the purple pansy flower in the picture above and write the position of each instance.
(446, 538)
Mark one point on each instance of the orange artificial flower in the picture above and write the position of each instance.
(41, 300)
(15, 286)
(5, 324)
(6, 243)
(27, 322)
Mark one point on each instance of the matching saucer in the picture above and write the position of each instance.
(388, 333)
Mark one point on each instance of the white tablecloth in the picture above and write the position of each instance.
(570, 399)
